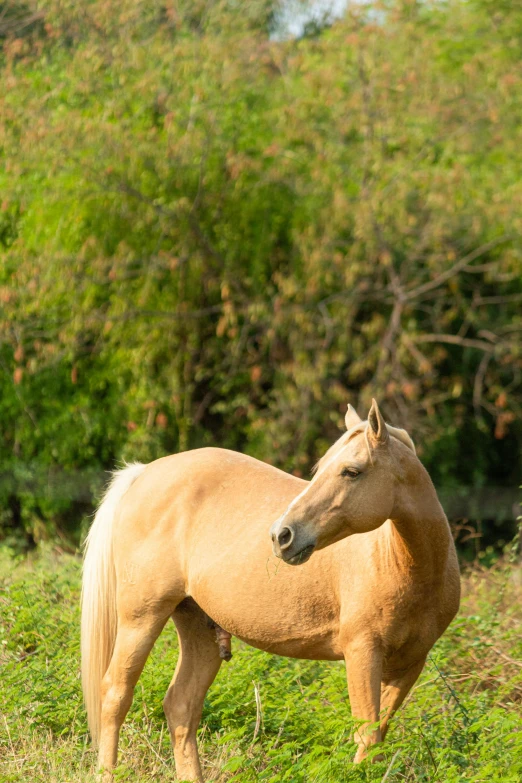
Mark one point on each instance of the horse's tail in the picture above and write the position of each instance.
(99, 617)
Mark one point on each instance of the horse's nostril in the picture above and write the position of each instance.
(285, 537)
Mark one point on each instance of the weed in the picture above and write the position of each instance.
(266, 718)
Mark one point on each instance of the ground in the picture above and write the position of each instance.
(266, 718)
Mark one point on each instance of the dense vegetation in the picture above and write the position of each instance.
(211, 236)
(462, 722)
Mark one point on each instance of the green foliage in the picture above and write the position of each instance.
(211, 237)
(462, 722)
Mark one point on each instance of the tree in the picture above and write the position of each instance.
(212, 237)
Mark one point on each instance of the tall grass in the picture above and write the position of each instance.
(266, 718)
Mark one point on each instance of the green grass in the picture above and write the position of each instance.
(462, 722)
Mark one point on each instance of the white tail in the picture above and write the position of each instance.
(99, 617)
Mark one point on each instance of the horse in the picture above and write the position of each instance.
(357, 564)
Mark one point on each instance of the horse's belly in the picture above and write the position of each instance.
(324, 648)
(307, 640)
(287, 613)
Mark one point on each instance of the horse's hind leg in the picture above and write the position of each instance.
(135, 638)
(197, 666)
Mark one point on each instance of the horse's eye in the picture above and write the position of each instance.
(350, 472)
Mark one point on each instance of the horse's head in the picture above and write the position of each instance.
(353, 490)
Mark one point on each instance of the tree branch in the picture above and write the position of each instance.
(478, 384)
(453, 339)
(485, 300)
(413, 293)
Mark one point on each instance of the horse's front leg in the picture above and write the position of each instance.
(394, 689)
(364, 659)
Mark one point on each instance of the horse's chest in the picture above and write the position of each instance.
(408, 620)
(395, 614)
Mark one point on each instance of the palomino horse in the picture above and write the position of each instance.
(187, 537)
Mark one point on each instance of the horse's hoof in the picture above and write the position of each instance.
(362, 754)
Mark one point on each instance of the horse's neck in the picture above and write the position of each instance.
(419, 533)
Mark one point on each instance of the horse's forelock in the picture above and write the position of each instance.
(339, 444)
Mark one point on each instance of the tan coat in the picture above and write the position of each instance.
(188, 536)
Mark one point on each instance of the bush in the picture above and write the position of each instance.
(212, 237)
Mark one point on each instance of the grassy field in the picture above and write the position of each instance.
(463, 721)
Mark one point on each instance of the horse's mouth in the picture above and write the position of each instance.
(302, 556)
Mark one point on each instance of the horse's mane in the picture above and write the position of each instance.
(362, 426)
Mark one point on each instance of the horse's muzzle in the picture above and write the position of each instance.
(290, 545)
(302, 556)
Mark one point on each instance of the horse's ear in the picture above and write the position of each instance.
(351, 418)
(378, 432)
